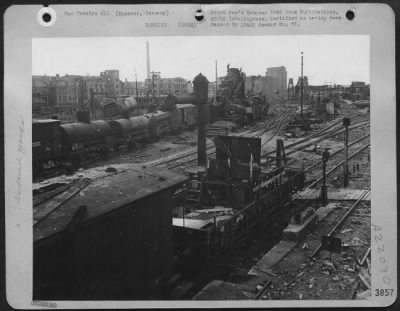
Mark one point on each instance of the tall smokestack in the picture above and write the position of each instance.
(148, 59)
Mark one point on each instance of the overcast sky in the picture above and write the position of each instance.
(332, 59)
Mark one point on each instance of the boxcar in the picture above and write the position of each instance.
(46, 142)
(188, 115)
(111, 241)
(159, 124)
(175, 121)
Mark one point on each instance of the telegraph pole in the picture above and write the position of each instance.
(346, 123)
(324, 192)
(137, 94)
(152, 86)
(216, 79)
(301, 86)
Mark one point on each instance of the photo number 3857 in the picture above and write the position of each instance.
(384, 292)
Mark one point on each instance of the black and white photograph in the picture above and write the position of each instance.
(202, 168)
(165, 170)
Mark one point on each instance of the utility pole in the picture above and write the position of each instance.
(152, 85)
(324, 192)
(137, 94)
(301, 86)
(346, 123)
(92, 110)
(153, 73)
(216, 79)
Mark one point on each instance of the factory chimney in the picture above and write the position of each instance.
(148, 59)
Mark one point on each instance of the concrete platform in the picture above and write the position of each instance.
(324, 211)
(298, 232)
(264, 266)
(271, 258)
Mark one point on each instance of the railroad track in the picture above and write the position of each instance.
(332, 232)
(342, 219)
(338, 165)
(357, 140)
(330, 131)
(325, 133)
(278, 127)
(192, 156)
(274, 122)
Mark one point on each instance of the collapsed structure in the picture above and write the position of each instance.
(231, 102)
(235, 194)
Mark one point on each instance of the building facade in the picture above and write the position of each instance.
(278, 81)
(158, 86)
(255, 85)
(113, 85)
(135, 88)
(40, 93)
(62, 96)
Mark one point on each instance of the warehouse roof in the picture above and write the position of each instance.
(102, 192)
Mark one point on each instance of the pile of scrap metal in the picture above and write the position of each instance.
(231, 103)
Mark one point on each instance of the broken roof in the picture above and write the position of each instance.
(101, 194)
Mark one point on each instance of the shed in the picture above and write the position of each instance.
(121, 246)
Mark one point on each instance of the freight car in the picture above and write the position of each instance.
(236, 193)
(159, 124)
(188, 115)
(46, 144)
(54, 143)
(81, 140)
(130, 131)
(114, 107)
(104, 244)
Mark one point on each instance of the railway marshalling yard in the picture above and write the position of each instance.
(282, 259)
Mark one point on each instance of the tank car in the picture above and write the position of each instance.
(82, 140)
(159, 124)
(130, 131)
(113, 107)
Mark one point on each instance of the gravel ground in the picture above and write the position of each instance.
(326, 276)
(320, 278)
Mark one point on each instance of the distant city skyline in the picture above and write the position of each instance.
(328, 59)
